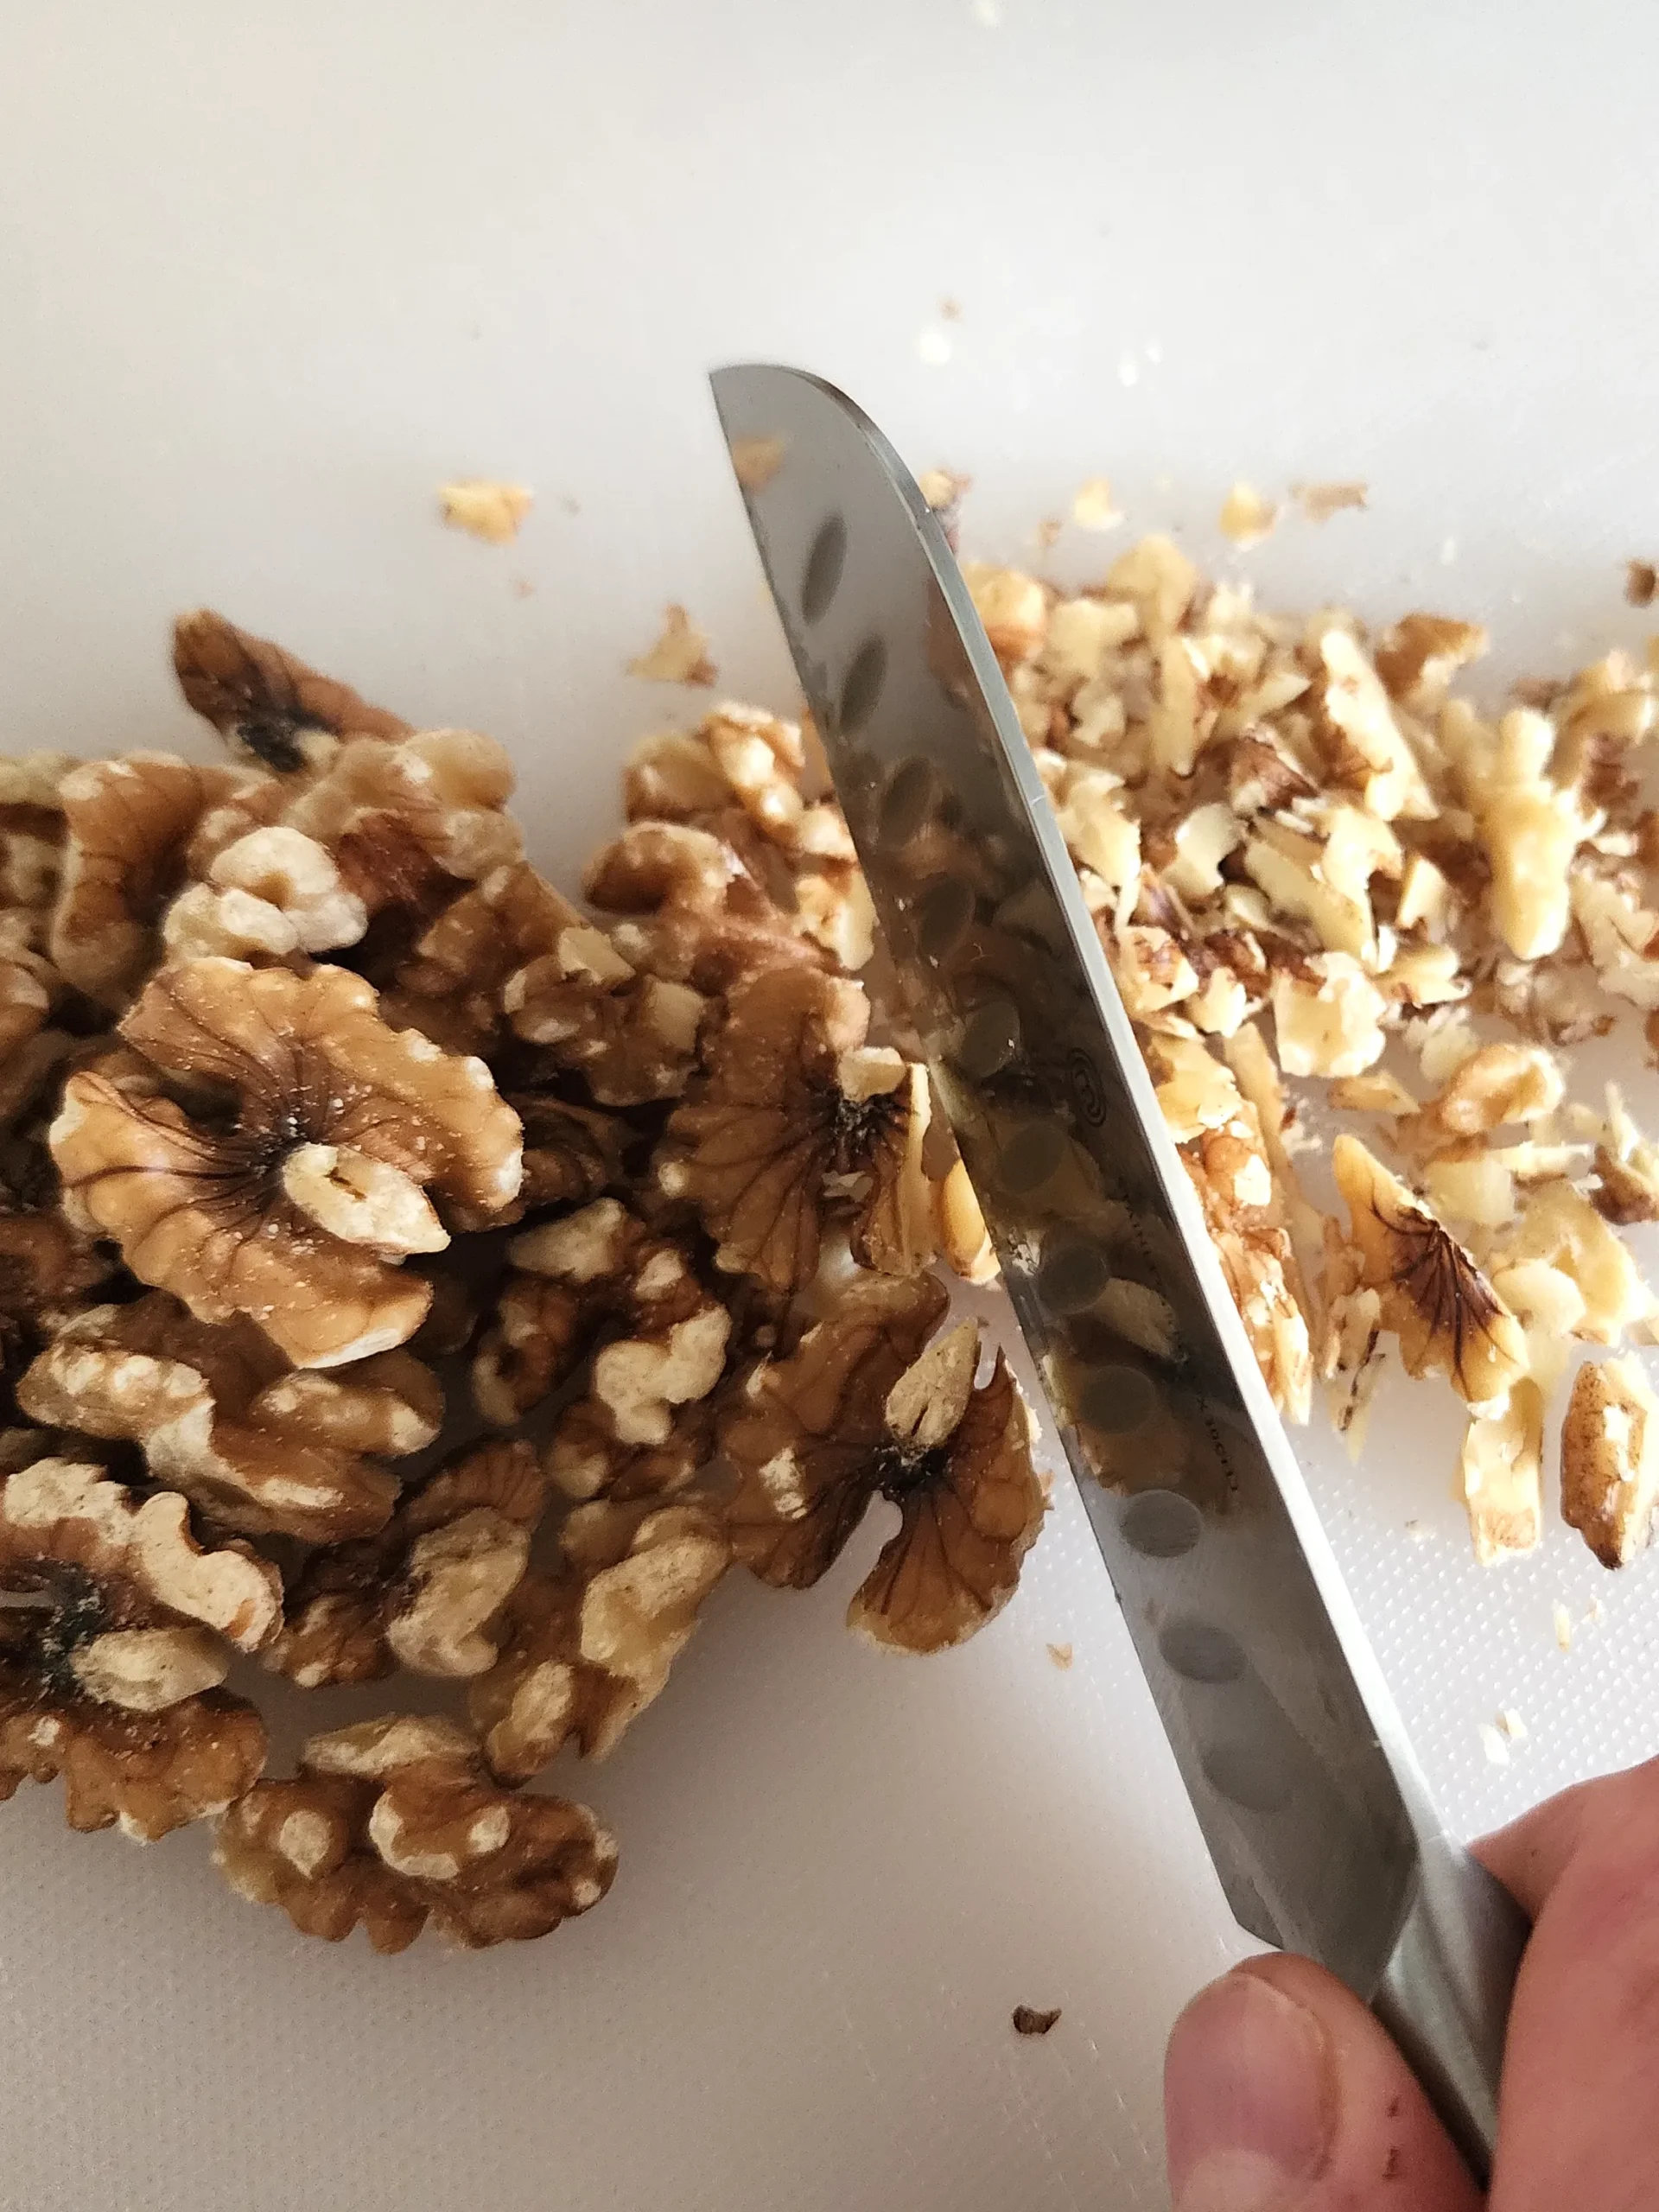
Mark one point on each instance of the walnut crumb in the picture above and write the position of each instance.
(680, 654)
(488, 508)
(1028, 2021)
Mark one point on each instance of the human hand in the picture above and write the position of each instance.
(1282, 2094)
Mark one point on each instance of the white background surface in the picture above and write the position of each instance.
(267, 275)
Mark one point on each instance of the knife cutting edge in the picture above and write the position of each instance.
(1298, 1769)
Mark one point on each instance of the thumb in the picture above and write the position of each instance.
(1282, 2094)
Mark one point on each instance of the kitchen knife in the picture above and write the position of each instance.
(1294, 1757)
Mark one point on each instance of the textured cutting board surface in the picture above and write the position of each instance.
(270, 277)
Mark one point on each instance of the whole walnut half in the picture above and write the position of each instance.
(588, 1644)
(429, 1592)
(265, 1449)
(397, 1822)
(261, 698)
(272, 1154)
(109, 1671)
(794, 1117)
(859, 1411)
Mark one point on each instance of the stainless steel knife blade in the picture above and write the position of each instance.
(1288, 1743)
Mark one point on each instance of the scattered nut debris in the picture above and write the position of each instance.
(680, 654)
(1641, 582)
(1563, 1625)
(1319, 502)
(1494, 1743)
(1513, 1726)
(1028, 2021)
(1061, 1654)
(1246, 518)
(489, 510)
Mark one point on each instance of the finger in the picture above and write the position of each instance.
(1581, 2065)
(1282, 2094)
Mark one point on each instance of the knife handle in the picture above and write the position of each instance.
(1445, 1993)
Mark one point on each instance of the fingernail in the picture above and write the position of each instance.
(1249, 2099)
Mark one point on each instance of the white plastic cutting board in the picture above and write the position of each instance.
(267, 277)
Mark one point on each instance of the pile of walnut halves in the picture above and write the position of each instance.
(1352, 914)
(313, 1091)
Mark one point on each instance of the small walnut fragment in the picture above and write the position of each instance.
(1641, 582)
(795, 1118)
(1319, 502)
(261, 698)
(298, 1212)
(397, 1822)
(589, 1643)
(843, 1420)
(486, 507)
(680, 654)
(1446, 1314)
(1028, 2021)
(1502, 1468)
(1609, 1460)
(1247, 518)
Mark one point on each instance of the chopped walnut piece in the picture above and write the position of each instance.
(1560, 1227)
(855, 1413)
(1501, 1467)
(429, 1592)
(262, 699)
(486, 507)
(221, 1419)
(1327, 1019)
(1626, 1167)
(1093, 507)
(1014, 610)
(201, 1207)
(1246, 517)
(792, 1115)
(1373, 749)
(680, 654)
(962, 1236)
(1447, 1315)
(1421, 653)
(128, 822)
(1641, 582)
(1529, 827)
(397, 1822)
(1609, 1460)
(1495, 1085)
(589, 1645)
